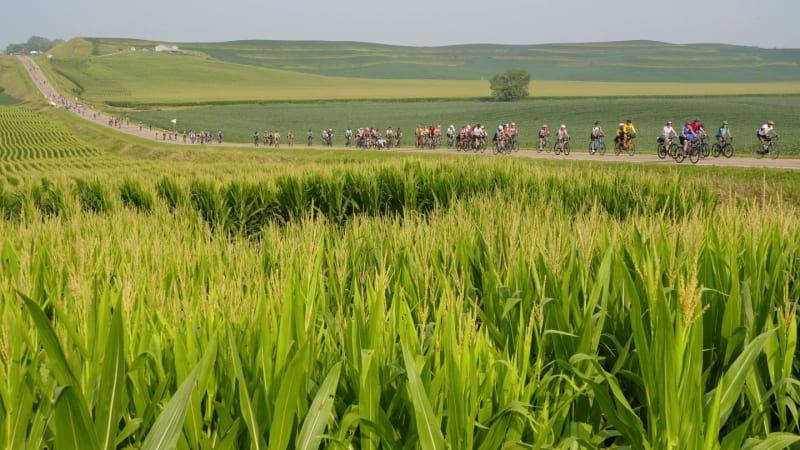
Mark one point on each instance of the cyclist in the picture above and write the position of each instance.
(310, 135)
(629, 134)
(544, 136)
(724, 133)
(765, 135)
(666, 135)
(687, 136)
(255, 138)
(562, 135)
(513, 132)
(618, 139)
(596, 134)
(348, 135)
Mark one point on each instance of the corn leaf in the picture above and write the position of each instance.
(74, 429)
(112, 384)
(167, 428)
(319, 414)
(430, 435)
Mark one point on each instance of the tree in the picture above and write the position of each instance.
(511, 85)
(35, 43)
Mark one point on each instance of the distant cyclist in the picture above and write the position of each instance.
(595, 135)
(310, 135)
(544, 136)
(620, 134)
(562, 135)
(629, 135)
(724, 133)
(687, 136)
(765, 134)
(255, 138)
(667, 133)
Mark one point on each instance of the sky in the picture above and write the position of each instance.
(760, 23)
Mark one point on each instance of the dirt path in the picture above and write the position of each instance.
(56, 99)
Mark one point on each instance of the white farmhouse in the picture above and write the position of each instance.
(167, 48)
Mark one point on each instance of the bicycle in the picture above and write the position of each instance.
(599, 146)
(725, 149)
(702, 146)
(561, 146)
(667, 147)
(768, 148)
(619, 147)
(544, 143)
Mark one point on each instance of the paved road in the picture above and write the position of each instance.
(56, 99)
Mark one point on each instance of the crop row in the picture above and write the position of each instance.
(23, 129)
(21, 153)
(508, 322)
(244, 208)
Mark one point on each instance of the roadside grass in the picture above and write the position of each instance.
(16, 84)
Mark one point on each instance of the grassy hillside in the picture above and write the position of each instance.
(638, 61)
(137, 78)
(613, 61)
(124, 73)
(15, 85)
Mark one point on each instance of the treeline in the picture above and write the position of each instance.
(35, 43)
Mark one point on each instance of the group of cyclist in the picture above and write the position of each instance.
(369, 138)
(693, 133)
(474, 137)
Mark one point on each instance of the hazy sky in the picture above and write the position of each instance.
(762, 23)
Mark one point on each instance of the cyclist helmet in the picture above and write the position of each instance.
(563, 126)
(724, 122)
(669, 122)
(770, 122)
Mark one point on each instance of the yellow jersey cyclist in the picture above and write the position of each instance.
(629, 134)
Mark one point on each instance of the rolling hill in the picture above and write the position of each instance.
(125, 72)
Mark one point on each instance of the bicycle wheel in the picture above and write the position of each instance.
(694, 155)
(602, 148)
(728, 150)
(566, 148)
(716, 150)
(773, 151)
(704, 150)
(661, 151)
(679, 155)
(557, 148)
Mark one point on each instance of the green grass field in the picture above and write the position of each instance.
(745, 114)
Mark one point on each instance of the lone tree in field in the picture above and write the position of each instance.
(511, 85)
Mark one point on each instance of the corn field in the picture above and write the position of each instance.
(424, 305)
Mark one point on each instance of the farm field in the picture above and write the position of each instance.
(405, 302)
(109, 72)
(745, 114)
(631, 61)
(204, 297)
